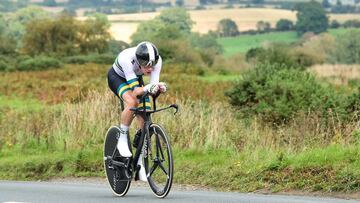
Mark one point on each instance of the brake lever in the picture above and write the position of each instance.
(176, 107)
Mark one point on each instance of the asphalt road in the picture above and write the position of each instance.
(52, 192)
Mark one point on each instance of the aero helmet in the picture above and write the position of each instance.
(147, 54)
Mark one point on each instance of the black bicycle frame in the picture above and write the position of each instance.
(146, 115)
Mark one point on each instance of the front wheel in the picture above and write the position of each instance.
(158, 162)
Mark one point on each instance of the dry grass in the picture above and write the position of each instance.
(245, 18)
(199, 125)
(339, 74)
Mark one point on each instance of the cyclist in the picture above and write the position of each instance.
(123, 79)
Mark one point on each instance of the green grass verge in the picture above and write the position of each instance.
(333, 168)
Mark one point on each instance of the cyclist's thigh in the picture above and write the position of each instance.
(129, 99)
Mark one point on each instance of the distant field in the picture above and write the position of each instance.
(205, 20)
(243, 43)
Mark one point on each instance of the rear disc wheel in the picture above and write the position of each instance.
(114, 174)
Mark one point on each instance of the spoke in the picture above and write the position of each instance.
(153, 168)
(157, 144)
(159, 148)
(163, 169)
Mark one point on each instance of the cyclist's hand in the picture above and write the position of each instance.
(162, 87)
(151, 88)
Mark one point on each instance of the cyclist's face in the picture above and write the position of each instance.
(147, 69)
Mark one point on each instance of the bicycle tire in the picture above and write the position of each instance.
(119, 187)
(158, 141)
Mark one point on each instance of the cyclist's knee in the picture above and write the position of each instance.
(132, 102)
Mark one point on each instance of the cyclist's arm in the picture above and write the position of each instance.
(155, 74)
(154, 78)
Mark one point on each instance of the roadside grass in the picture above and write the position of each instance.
(212, 145)
(328, 169)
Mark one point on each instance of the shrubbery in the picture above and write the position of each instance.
(38, 63)
(347, 48)
(93, 58)
(277, 93)
(279, 54)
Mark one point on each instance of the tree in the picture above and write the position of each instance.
(257, 1)
(326, 4)
(51, 3)
(335, 24)
(94, 34)
(227, 28)
(17, 21)
(66, 36)
(178, 17)
(263, 26)
(180, 3)
(347, 48)
(284, 25)
(48, 36)
(311, 17)
(175, 18)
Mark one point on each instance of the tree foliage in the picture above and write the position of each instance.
(17, 21)
(66, 36)
(347, 48)
(227, 28)
(172, 19)
(311, 17)
(284, 25)
(178, 17)
(263, 26)
(171, 32)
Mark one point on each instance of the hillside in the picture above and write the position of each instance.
(246, 18)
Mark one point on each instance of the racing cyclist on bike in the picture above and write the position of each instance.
(123, 79)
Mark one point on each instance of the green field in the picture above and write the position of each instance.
(242, 43)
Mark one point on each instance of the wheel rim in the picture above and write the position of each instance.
(159, 165)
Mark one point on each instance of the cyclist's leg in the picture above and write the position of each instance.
(126, 118)
(130, 101)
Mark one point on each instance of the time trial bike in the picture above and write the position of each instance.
(153, 143)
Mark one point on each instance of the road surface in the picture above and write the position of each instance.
(53, 192)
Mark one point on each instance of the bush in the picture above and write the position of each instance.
(184, 68)
(102, 58)
(4, 66)
(275, 54)
(276, 93)
(284, 25)
(76, 59)
(334, 24)
(352, 24)
(39, 63)
(347, 48)
(353, 105)
(94, 58)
